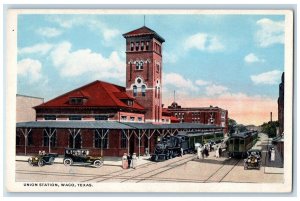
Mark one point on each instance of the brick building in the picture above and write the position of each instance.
(111, 119)
(281, 105)
(203, 115)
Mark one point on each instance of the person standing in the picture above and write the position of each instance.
(273, 154)
(220, 151)
(217, 153)
(198, 152)
(181, 151)
(129, 160)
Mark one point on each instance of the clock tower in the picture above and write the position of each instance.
(144, 70)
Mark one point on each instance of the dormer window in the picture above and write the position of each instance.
(76, 101)
(129, 103)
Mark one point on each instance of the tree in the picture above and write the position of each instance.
(270, 128)
(231, 126)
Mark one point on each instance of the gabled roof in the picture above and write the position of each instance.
(98, 94)
(143, 31)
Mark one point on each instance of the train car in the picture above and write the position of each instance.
(240, 143)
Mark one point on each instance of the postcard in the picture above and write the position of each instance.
(149, 100)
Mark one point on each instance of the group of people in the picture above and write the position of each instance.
(203, 151)
(129, 161)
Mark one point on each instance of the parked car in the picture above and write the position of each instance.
(253, 159)
(42, 159)
(81, 157)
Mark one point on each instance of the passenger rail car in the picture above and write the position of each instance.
(239, 144)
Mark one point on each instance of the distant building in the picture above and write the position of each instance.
(25, 104)
(203, 115)
(281, 105)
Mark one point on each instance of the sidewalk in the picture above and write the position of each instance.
(111, 161)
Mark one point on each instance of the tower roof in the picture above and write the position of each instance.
(144, 31)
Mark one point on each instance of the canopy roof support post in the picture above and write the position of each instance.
(74, 133)
(49, 134)
(102, 135)
(25, 134)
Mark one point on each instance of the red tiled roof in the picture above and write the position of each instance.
(98, 94)
(144, 31)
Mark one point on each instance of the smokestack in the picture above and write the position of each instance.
(271, 116)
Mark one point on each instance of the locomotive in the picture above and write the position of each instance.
(171, 146)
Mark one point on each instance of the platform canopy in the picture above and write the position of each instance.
(74, 124)
(112, 125)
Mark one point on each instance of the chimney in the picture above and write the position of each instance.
(271, 116)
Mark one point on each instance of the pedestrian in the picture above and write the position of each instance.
(129, 160)
(134, 161)
(202, 152)
(198, 152)
(217, 153)
(181, 151)
(273, 154)
(206, 151)
(220, 151)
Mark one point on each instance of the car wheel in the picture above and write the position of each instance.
(68, 161)
(30, 162)
(40, 163)
(98, 163)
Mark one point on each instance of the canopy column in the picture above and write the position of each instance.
(25, 133)
(74, 132)
(49, 133)
(102, 134)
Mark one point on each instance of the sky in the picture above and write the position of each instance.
(231, 61)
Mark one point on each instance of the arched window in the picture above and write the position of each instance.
(134, 90)
(139, 65)
(143, 90)
(75, 143)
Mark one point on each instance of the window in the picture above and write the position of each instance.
(163, 120)
(131, 118)
(142, 45)
(140, 119)
(157, 67)
(101, 117)
(50, 117)
(147, 45)
(98, 141)
(143, 90)
(139, 65)
(137, 46)
(158, 92)
(123, 141)
(76, 101)
(46, 138)
(134, 90)
(131, 46)
(129, 103)
(77, 117)
(155, 94)
(124, 118)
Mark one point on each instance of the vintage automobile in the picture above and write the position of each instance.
(253, 159)
(81, 157)
(42, 159)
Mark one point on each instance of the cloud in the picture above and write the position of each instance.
(178, 81)
(204, 42)
(48, 32)
(170, 57)
(202, 82)
(214, 89)
(31, 69)
(270, 78)
(269, 32)
(91, 23)
(41, 48)
(85, 61)
(252, 58)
